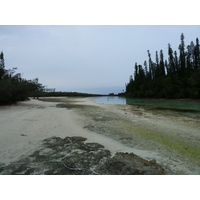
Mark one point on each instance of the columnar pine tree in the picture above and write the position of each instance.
(145, 68)
(197, 55)
(162, 66)
(176, 62)
(171, 60)
(177, 77)
(157, 70)
(150, 64)
(182, 54)
(2, 65)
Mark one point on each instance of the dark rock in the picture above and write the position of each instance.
(131, 164)
(72, 156)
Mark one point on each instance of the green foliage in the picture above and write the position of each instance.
(179, 77)
(13, 88)
(67, 94)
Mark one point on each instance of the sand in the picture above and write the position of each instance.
(24, 125)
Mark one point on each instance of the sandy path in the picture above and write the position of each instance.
(24, 125)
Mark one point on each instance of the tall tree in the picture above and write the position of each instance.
(157, 68)
(171, 60)
(176, 61)
(189, 58)
(2, 65)
(136, 71)
(145, 68)
(182, 53)
(150, 64)
(162, 66)
(192, 49)
(176, 77)
(197, 55)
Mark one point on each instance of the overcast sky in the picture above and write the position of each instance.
(92, 59)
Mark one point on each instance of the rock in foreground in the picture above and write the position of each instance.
(73, 156)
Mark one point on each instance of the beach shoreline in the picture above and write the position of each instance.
(116, 127)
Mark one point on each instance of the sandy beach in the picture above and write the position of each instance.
(172, 141)
(25, 124)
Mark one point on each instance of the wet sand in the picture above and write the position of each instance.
(24, 125)
(170, 140)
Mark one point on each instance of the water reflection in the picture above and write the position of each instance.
(111, 100)
(183, 106)
(168, 104)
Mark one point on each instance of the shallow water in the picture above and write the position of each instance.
(189, 108)
(111, 100)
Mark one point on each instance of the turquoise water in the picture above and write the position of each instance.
(189, 107)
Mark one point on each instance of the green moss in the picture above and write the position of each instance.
(169, 142)
(184, 148)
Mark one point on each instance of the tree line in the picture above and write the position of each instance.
(68, 94)
(13, 87)
(175, 77)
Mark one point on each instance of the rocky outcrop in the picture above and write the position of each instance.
(73, 156)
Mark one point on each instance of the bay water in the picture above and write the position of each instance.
(186, 107)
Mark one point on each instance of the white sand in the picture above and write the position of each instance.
(24, 125)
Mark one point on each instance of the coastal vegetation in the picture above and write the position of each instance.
(13, 87)
(175, 77)
(67, 94)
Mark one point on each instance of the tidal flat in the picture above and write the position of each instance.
(167, 136)
(134, 139)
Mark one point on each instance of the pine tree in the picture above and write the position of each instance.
(197, 55)
(176, 62)
(162, 66)
(189, 58)
(136, 71)
(192, 49)
(150, 65)
(157, 68)
(2, 65)
(171, 60)
(145, 68)
(182, 54)
(176, 77)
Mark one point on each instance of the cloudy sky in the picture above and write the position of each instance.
(82, 58)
